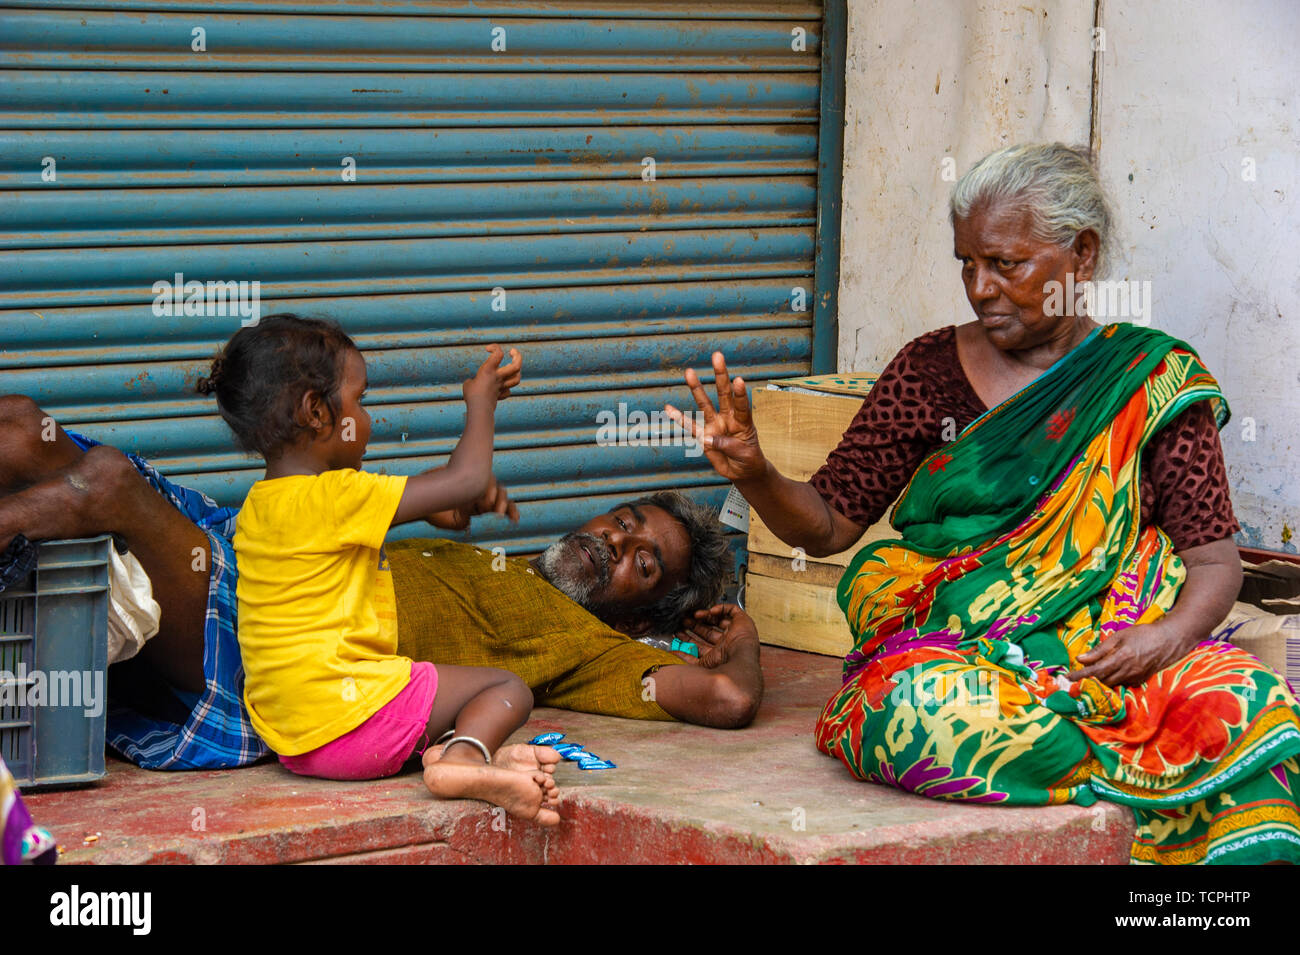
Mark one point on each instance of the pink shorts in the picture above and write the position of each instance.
(382, 744)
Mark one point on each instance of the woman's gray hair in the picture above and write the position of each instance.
(1056, 183)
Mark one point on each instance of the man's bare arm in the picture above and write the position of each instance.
(725, 688)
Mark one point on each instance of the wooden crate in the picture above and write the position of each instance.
(796, 609)
(792, 597)
(798, 615)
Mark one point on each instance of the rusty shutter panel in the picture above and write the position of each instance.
(495, 146)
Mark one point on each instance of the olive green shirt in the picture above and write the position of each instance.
(462, 605)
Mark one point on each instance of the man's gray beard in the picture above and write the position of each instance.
(580, 591)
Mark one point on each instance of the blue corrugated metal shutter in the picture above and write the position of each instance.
(496, 146)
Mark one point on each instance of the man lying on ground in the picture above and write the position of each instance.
(644, 570)
(564, 621)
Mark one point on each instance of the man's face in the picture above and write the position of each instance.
(619, 562)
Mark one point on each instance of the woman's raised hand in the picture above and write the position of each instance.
(728, 435)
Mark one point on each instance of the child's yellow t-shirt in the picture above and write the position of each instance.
(317, 617)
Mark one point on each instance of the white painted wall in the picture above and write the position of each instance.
(1185, 101)
(1186, 93)
(926, 81)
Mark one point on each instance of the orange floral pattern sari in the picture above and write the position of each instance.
(1021, 549)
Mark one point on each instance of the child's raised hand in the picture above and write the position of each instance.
(509, 376)
(495, 500)
(493, 381)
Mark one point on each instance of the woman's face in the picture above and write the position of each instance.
(1008, 275)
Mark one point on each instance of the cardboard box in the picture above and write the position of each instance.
(1272, 585)
(791, 596)
(797, 609)
(1265, 620)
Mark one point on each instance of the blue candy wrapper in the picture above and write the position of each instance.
(563, 748)
(596, 764)
(546, 739)
(578, 755)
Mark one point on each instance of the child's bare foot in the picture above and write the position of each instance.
(517, 756)
(524, 795)
(550, 792)
(526, 758)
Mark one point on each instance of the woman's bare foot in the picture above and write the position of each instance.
(525, 795)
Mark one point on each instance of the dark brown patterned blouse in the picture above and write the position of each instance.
(1184, 488)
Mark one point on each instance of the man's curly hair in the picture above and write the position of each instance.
(709, 568)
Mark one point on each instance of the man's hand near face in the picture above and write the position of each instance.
(713, 632)
(725, 687)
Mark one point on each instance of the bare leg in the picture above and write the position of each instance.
(101, 492)
(488, 705)
(468, 685)
(31, 445)
(482, 702)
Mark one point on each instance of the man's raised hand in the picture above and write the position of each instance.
(728, 435)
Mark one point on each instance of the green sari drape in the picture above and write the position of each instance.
(1022, 549)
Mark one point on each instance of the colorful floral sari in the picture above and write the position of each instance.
(1021, 549)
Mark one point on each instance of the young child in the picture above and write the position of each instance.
(324, 686)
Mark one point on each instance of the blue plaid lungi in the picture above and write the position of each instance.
(217, 734)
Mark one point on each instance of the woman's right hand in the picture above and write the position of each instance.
(728, 435)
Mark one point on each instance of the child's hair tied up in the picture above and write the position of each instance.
(208, 385)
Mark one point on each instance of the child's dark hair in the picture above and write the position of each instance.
(261, 375)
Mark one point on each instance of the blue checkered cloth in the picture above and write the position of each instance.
(217, 734)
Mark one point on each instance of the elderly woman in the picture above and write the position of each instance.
(1039, 633)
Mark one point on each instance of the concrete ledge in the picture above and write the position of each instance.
(681, 794)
